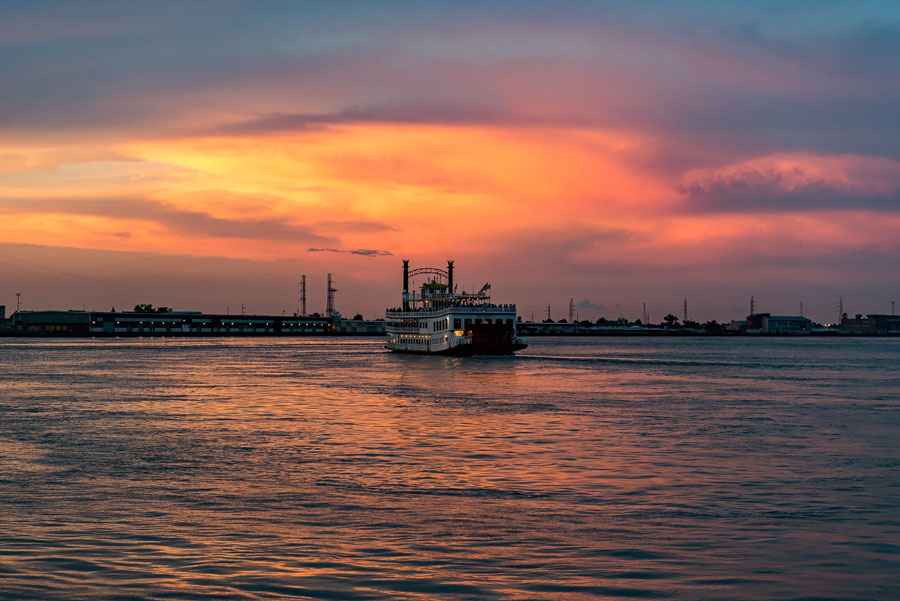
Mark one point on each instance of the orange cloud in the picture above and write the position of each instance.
(433, 192)
(457, 184)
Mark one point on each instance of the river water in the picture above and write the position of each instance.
(326, 468)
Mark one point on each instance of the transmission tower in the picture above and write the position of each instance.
(685, 310)
(840, 309)
(571, 310)
(329, 303)
(644, 317)
(303, 295)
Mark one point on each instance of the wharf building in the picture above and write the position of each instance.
(5, 324)
(872, 324)
(183, 323)
(766, 323)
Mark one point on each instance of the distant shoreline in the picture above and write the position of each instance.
(610, 334)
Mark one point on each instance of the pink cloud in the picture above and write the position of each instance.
(791, 182)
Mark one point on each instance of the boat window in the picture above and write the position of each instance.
(456, 323)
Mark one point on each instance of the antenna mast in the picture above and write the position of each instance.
(329, 303)
(303, 295)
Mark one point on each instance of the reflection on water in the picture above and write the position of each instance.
(327, 468)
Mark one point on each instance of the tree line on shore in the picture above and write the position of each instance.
(670, 322)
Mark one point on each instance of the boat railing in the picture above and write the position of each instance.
(474, 309)
(404, 329)
(417, 297)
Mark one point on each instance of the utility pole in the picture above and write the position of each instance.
(18, 301)
(302, 307)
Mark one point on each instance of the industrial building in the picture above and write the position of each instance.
(871, 324)
(182, 323)
(765, 323)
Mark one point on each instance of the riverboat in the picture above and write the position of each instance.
(437, 320)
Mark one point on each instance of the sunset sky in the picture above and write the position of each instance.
(203, 155)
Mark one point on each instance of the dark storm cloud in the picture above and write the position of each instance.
(711, 83)
(733, 85)
(716, 79)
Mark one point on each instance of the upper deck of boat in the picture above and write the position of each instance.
(453, 308)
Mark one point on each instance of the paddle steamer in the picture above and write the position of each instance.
(437, 320)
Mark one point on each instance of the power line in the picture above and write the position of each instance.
(80, 281)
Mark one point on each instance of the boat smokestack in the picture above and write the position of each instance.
(449, 277)
(406, 284)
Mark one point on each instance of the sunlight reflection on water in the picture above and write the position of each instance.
(327, 468)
